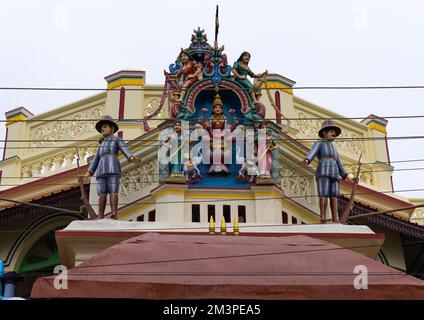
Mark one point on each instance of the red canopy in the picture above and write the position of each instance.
(153, 266)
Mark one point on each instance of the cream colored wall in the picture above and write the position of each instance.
(43, 158)
(418, 215)
(11, 168)
(286, 103)
(373, 150)
(170, 208)
(133, 110)
(173, 204)
(17, 131)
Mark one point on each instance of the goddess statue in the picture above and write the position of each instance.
(218, 121)
(241, 70)
(188, 74)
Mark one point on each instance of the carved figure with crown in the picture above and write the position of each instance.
(219, 128)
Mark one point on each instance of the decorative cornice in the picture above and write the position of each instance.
(125, 78)
(17, 114)
(125, 82)
(16, 111)
(278, 85)
(376, 122)
(276, 81)
(275, 77)
(377, 127)
(70, 197)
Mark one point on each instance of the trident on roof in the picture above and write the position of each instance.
(216, 25)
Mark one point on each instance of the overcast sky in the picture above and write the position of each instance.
(77, 43)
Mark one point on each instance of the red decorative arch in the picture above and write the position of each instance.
(245, 106)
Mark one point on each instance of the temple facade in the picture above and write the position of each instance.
(201, 90)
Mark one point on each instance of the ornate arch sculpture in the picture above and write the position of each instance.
(227, 84)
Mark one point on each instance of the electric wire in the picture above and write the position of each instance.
(160, 89)
(216, 199)
(132, 120)
(377, 162)
(283, 140)
(157, 174)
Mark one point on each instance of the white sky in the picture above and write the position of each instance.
(369, 42)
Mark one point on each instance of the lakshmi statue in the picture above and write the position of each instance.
(241, 70)
(218, 121)
(189, 73)
(265, 149)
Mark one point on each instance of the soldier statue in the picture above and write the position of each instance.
(330, 169)
(106, 165)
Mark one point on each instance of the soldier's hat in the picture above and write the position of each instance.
(106, 120)
(329, 124)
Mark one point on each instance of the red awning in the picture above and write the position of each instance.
(153, 266)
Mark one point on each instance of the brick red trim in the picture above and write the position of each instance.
(129, 234)
(121, 103)
(388, 157)
(5, 143)
(278, 105)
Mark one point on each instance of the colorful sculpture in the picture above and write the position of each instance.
(218, 121)
(106, 165)
(188, 74)
(241, 70)
(190, 170)
(330, 169)
(249, 171)
(265, 152)
(175, 155)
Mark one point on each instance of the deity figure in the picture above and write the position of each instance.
(330, 169)
(264, 151)
(106, 165)
(241, 70)
(218, 121)
(188, 74)
(175, 155)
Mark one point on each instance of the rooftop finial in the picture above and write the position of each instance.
(216, 26)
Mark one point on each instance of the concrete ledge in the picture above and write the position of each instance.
(114, 225)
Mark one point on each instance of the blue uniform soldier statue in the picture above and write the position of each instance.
(330, 169)
(106, 165)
